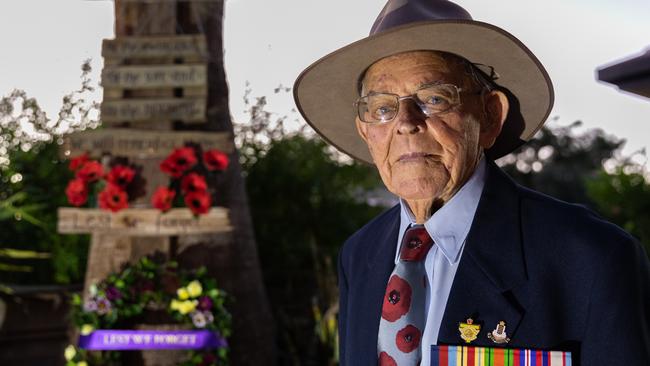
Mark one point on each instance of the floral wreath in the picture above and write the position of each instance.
(153, 285)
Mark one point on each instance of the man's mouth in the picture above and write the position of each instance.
(414, 156)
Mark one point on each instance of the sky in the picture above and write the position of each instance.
(268, 43)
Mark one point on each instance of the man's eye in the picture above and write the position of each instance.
(384, 110)
(436, 100)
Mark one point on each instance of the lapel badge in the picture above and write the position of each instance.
(469, 331)
(498, 335)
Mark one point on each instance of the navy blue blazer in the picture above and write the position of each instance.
(560, 276)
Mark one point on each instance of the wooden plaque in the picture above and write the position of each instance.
(165, 46)
(138, 110)
(141, 221)
(139, 143)
(159, 76)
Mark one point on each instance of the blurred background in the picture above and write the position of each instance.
(304, 198)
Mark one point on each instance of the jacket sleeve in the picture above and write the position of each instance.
(343, 301)
(617, 331)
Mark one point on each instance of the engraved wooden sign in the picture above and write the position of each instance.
(139, 143)
(154, 76)
(138, 110)
(167, 46)
(141, 221)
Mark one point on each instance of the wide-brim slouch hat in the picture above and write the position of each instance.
(326, 90)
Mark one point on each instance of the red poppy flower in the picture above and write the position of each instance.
(408, 338)
(194, 182)
(168, 167)
(179, 161)
(415, 245)
(198, 202)
(215, 160)
(77, 192)
(77, 162)
(90, 171)
(386, 360)
(121, 175)
(113, 198)
(162, 198)
(397, 299)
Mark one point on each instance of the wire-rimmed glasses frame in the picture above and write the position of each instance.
(433, 99)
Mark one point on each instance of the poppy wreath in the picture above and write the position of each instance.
(153, 285)
(193, 174)
(111, 189)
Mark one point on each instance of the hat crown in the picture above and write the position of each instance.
(401, 12)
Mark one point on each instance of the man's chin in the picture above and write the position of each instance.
(426, 188)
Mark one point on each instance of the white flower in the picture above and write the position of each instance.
(92, 290)
(90, 306)
(209, 318)
(103, 306)
(198, 319)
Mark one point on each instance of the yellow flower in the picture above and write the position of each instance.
(182, 293)
(86, 329)
(194, 289)
(82, 363)
(175, 304)
(69, 353)
(187, 306)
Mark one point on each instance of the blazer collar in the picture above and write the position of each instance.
(494, 240)
(492, 266)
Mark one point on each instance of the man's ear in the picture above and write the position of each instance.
(496, 110)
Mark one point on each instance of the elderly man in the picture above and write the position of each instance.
(470, 268)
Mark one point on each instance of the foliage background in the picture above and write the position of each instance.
(32, 182)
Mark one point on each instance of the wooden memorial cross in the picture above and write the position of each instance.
(163, 88)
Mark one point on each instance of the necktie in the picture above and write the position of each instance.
(403, 315)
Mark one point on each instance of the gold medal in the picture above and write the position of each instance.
(469, 331)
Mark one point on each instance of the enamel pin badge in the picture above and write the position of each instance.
(498, 335)
(469, 331)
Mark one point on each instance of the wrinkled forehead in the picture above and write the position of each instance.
(448, 66)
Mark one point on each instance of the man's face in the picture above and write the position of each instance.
(423, 157)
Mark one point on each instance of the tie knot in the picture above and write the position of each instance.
(415, 244)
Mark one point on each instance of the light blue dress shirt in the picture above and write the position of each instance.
(448, 227)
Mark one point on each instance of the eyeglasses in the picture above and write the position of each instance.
(432, 99)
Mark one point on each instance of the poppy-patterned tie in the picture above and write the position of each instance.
(403, 315)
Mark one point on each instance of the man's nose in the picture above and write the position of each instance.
(410, 118)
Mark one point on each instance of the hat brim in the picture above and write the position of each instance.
(325, 92)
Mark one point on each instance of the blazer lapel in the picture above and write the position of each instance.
(492, 266)
(372, 287)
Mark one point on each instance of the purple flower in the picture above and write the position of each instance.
(205, 303)
(103, 306)
(90, 306)
(112, 293)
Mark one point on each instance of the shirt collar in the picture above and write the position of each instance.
(448, 227)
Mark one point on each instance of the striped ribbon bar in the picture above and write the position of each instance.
(484, 356)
